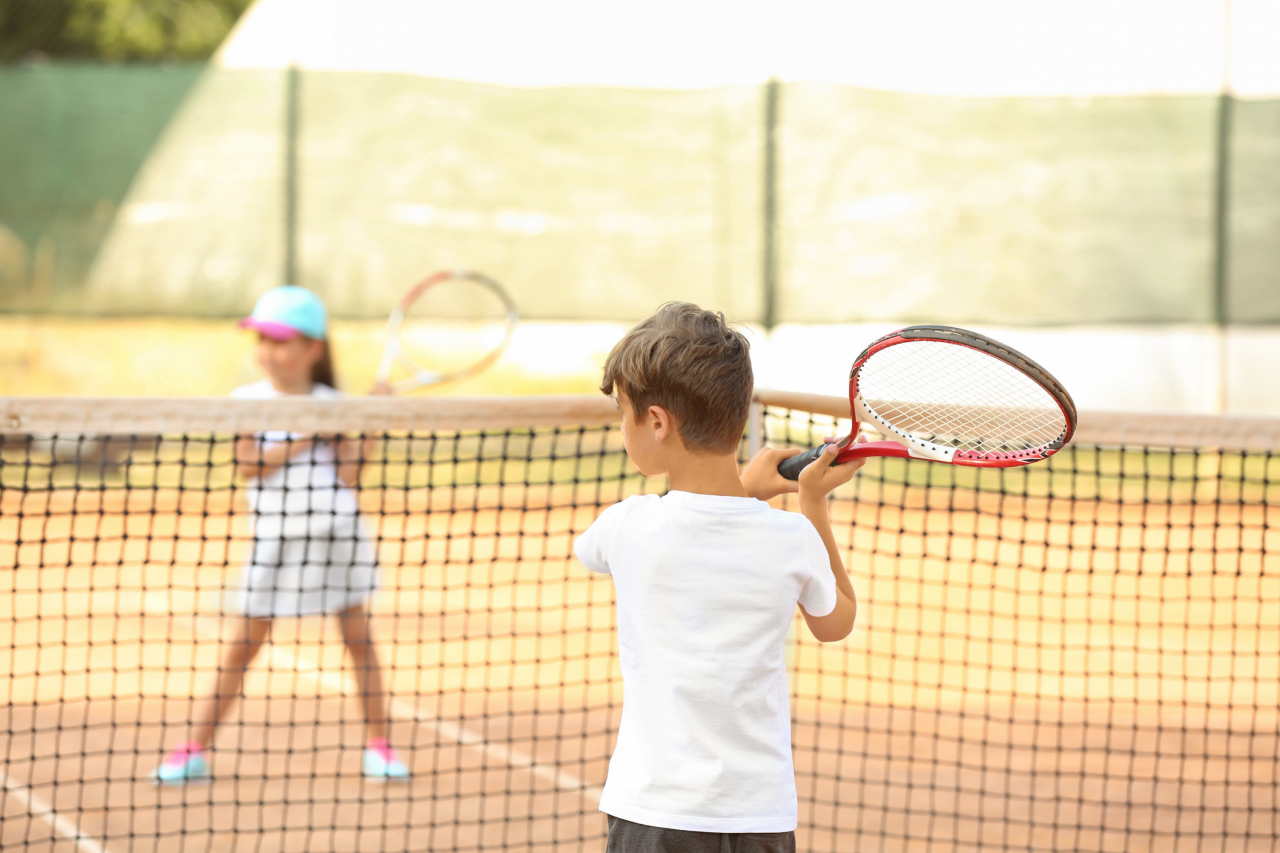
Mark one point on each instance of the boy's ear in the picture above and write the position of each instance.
(664, 423)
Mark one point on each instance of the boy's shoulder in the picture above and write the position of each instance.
(593, 546)
(763, 516)
(627, 506)
(787, 518)
(792, 527)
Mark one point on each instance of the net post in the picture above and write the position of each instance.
(755, 428)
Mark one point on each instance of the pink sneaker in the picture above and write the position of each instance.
(381, 764)
(185, 764)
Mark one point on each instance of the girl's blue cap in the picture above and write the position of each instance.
(287, 312)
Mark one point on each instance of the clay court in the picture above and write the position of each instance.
(1028, 672)
(1034, 238)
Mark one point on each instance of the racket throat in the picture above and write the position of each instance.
(916, 448)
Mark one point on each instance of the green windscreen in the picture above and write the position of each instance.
(1020, 211)
(152, 190)
(1254, 250)
(72, 139)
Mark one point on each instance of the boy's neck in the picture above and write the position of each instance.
(706, 474)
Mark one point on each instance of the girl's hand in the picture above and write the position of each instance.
(257, 459)
(761, 479)
(352, 454)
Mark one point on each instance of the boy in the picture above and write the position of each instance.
(707, 580)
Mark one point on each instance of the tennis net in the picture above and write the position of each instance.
(1083, 654)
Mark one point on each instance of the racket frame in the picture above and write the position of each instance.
(902, 444)
(419, 377)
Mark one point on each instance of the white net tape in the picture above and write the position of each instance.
(959, 397)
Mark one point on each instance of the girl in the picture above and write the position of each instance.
(311, 552)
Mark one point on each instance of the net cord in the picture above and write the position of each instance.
(142, 416)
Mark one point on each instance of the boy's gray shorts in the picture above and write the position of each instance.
(628, 837)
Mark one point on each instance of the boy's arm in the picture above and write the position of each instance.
(817, 480)
(593, 545)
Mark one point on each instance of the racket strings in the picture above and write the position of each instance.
(959, 397)
(451, 326)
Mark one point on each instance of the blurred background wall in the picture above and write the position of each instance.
(1096, 184)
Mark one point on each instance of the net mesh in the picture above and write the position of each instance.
(1082, 654)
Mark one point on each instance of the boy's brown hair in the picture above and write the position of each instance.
(692, 363)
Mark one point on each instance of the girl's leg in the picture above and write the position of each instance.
(364, 658)
(379, 762)
(236, 657)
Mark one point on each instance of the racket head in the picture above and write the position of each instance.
(953, 395)
(446, 296)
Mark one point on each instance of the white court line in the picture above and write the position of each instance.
(283, 659)
(37, 807)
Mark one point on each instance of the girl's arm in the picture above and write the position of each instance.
(254, 460)
(352, 453)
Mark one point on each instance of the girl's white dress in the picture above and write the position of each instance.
(311, 551)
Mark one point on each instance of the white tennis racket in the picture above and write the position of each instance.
(452, 325)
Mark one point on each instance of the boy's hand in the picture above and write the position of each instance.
(762, 481)
(820, 478)
(761, 478)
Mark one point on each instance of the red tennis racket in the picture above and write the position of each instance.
(951, 395)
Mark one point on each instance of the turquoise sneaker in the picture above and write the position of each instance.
(381, 764)
(185, 764)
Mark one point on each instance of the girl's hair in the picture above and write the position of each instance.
(322, 370)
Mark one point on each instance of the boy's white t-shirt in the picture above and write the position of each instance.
(707, 587)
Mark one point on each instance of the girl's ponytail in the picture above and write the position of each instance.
(322, 370)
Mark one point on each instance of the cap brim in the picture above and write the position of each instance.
(273, 330)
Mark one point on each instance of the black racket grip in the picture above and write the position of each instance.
(791, 468)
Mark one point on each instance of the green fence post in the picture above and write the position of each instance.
(1222, 239)
(769, 214)
(291, 175)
